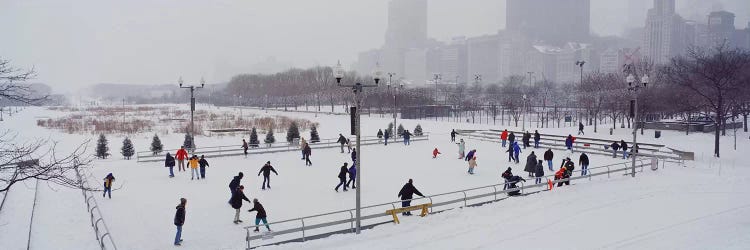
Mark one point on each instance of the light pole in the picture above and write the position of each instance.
(192, 106)
(436, 78)
(634, 87)
(357, 88)
(396, 89)
(524, 114)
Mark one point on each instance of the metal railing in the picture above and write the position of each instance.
(463, 198)
(234, 150)
(101, 230)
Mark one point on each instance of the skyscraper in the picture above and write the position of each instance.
(664, 36)
(551, 21)
(407, 29)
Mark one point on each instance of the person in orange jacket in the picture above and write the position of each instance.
(181, 155)
(194, 161)
(504, 136)
(435, 153)
(562, 173)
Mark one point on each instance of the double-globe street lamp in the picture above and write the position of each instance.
(192, 107)
(395, 90)
(634, 88)
(338, 73)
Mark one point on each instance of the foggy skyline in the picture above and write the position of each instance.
(73, 45)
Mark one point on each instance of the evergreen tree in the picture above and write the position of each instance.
(189, 143)
(102, 150)
(314, 134)
(390, 128)
(292, 132)
(156, 146)
(269, 137)
(127, 148)
(400, 129)
(254, 138)
(418, 130)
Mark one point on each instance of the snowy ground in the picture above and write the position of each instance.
(696, 207)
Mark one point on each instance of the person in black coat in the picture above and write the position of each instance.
(169, 162)
(537, 138)
(266, 170)
(342, 141)
(307, 151)
(260, 216)
(453, 135)
(234, 184)
(511, 138)
(580, 128)
(624, 147)
(179, 220)
(525, 139)
(584, 162)
(406, 194)
(615, 147)
(530, 164)
(539, 172)
(512, 184)
(236, 202)
(549, 156)
(342, 177)
(386, 135)
(354, 155)
(203, 163)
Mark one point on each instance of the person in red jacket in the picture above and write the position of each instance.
(181, 156)
(504, 136)
(435, 153)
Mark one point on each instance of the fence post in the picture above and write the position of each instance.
(247, 238)
(495, 188)
(303, 229)
(351, 217)
(464, 198)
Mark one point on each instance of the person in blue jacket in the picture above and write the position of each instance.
(516, 151)
(352, 176)
(569, 142)
(470, 155)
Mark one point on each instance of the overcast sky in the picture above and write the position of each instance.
(73, 44)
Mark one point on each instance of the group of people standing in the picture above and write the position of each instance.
(197, 165)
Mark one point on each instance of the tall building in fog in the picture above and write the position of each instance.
(551, 21)
(407, 30)
(664, 35)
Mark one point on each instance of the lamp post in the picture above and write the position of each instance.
(192, 104)
(634, 87)
(396, 89)
(436, 78)
(357, 88)
(524, 114)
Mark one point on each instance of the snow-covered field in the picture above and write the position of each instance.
(701, 206)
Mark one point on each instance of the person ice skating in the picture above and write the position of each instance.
(624, 147)
(549, 156)
(236, 202)
(453, 135)
(352, 176)
(193, 162)
(470, 154)
(569, 142)
(386, 135)
(511, 138)
(169, 162)
(615, 147)
(244, 147)
(342, 177)
(260, 216)
(349, 145)
(406, 194)
(530, 164)
(266, 171)
(461, 149)
(472, 164)
(435, 153)
(380, 135)
(306, 152)
(407, 137)
(562, 173)
(506, 176)
(539, 173)
(179, 221)
(302, 145)
(580, 128)
(584, 162)
(354, 155)
(203, 165)
(234, 184)
(526, 139)
(516, 151)
(342, 141)
(537, 138)
(181, 155)
(569, 166)
(504, 137)
(108, 185)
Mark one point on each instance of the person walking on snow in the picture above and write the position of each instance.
(342, 141)
(584, 162)
(615, 147)
(406, 194)
(181, 155)
(511, 138)
(569, 142)
(515, 150)
(234, 184)
(203, 165)
(504, 136)
(260, 216)
(407, 137)
(530, 167)
(453, 135)
(302, 145)
(435, 153)
(539, 173)
(380, 135)
(461, 148)
(472, 164)
(266, 170)
(244, 147)
(306, 152)
(342, 177)
(537, 138)
(525, 139)
(386, 135)
(624, 146)
(549, 156)
(349, 145)
(179, 221)
(352, 176)
(169, 162)
(108, 185)
(354, 155)
(470, 154)
(236, 202)
(194, 167)
(580, 128)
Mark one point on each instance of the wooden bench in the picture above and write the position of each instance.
(395, 212)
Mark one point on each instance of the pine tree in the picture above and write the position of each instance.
(314, 135)
(390, 128)
(127, 148)
(400, 129)
(292, 132)
(156, 146)
(269, 137)
(102, 150)
(254, 138)
(189, 143)
(418, 130)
